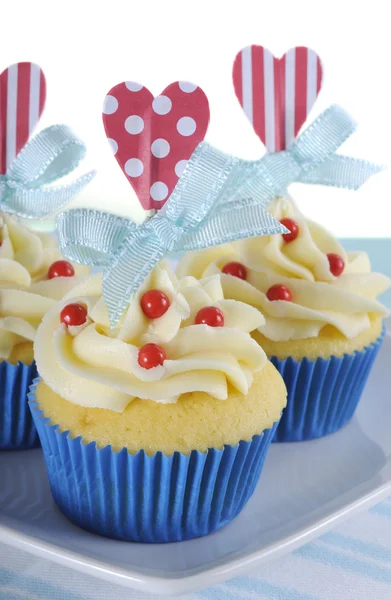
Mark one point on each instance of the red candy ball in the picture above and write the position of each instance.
(236, 269)
(151, 355)
(210, 315)
(154, 304)
(74, 314)
(279, 292)
(293, 228)
(61, 268)
(336, 263)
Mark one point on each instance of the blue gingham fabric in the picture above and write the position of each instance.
(351, 562)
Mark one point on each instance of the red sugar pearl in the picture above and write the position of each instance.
(293, 228)
(236, 269)
(151, 355)
(154, 304)
(73, 314)
(336, 263)
(210, 315)
(61, 268)
(279, 292)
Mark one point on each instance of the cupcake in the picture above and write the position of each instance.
(32, 279)
(155, 430)
(323, 324)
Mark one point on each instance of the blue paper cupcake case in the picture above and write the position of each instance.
(143, 498)
(17, 429)
(322, 394)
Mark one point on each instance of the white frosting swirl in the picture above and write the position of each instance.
(347, 302)
(26, 293)
(94, 366)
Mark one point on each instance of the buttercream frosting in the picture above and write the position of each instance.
(94, 366)
(347, 302)
(26, 293)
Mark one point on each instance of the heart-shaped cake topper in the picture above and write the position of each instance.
(22, 100)
(277, 94)
(153, 138)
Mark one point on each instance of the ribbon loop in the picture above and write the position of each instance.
(50, 155)
(230, 225)
(323, 137)
(92, 237)
(219, 198)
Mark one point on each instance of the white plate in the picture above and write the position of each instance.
(305, 489)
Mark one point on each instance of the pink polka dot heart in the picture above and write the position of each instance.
(153, 138)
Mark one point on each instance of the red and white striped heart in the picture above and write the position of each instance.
(153, 138)
(22, 100)
(277, 94)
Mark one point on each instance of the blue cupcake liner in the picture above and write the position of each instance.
(17, 429)
(152, 499)
(322, 394)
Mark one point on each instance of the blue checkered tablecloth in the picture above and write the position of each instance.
(352, 562)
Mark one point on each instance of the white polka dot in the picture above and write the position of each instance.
(160, 148)
(162, 105)
(110, 105)
(180, 167)
(134, 167)
(113, 145)
(159, 191)
(134, 124)
(187, 87)
(133, 86)
(186, 126)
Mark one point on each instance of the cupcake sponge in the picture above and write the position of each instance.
(23, 352)
(196, 422)
(330, 342)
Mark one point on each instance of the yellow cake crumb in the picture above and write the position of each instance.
(23, 352)
(330, 342)
(196, 422)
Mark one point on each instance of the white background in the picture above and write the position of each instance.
(85, 47)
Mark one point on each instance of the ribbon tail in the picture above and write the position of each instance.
(90, 237)
(128, 270)
(34, 203)
(341, 171)
(233, 224)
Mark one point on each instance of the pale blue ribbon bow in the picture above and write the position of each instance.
(48, 156)
(218, 199)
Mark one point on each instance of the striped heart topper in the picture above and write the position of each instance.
(277, 94)
(22, 100)
(153, 138)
